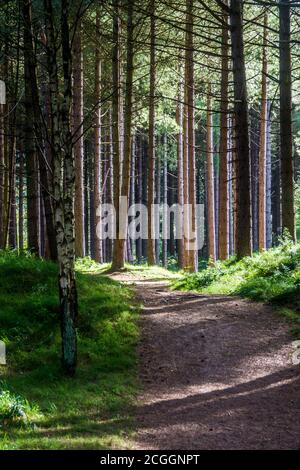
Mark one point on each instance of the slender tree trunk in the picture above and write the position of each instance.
(139, 242)
(191, 256)
(263, 144)
(230, 188)
(88, 172)
(165, 202)
(120, 245)
(268, 181)
(21, 199)
(12, 235)
(10, 226)
(97, 150)
(151, 148)
(41, 165)
(210, 181)
(254, 147)
(78, 140)
(110, 188)
(132, 191)
(185, 168)
(242, 144)
(158, 201)
(276, 196)
(180, 185)
(116, 132)
(2, 174)
(5, 152)
(145, 155)
(33, 222)
(286, 141)
(171, 200)
(63, 191)
(223, 225)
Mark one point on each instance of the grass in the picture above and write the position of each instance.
(133, 271)
(272, 276)
(39, 407)
(154, 273)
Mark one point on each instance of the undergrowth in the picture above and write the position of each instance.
(270, 276)
(39, 407)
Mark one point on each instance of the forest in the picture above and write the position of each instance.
(149, 213)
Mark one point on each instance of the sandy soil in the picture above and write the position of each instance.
(217, 373)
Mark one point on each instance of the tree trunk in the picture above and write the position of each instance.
(117, 253)
(120, 245)
(145, 190)
(64, 191)
(158, 201)
(2, 175)
(88, 173)
(165, 202)
(254, 148)
(179, 119)
(33, 215)
(151, 149)
(78, 140)
(139, 242)
(263, 144)
(97, 200)
(242, 144)
(286, 141)
(12, 235)
(21, 199)
(223, 226)
(191, 254)
(42, 165)
(210, 181)
(132, 192)
(268, 181)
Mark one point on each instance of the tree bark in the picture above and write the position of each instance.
(78, 140)
(2, 175)
(165, 202)
(151, 148)
(120, 245)
(191, 258)
(179, 119)
(97, 199)
(116, 131)
(33, 213)
(254, 147)
(223, 226)
(263, 144)
(242, 144)
(21, 200)
(41, 165)
(64, 182)
(286, 141)
(210, 181)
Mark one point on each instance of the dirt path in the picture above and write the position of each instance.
(217, 374)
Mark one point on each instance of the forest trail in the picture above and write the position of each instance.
(217, 373)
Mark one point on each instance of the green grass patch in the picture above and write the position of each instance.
(272, 276)
(134, 271)
(39, 407)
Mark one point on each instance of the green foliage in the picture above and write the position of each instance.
(15, 410)
(93, 409)
(273, 275)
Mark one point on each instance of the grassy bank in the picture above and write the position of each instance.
(39, 407)
(272, 276)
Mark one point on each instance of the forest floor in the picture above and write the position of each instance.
(216, 371)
